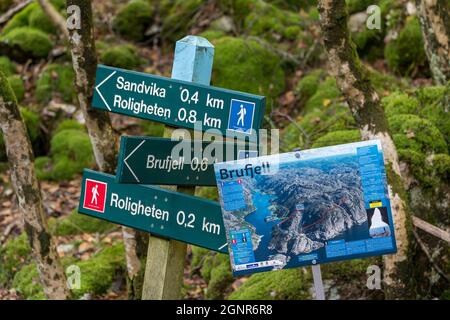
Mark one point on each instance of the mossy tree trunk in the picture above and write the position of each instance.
(28, 192)
(369, 115)
(101, 133)
(435, 22)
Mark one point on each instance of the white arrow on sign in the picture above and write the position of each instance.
(126, 163)
(98, 91)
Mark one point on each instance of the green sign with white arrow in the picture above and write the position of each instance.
(163, 161)
(178, 103)
(152, 209)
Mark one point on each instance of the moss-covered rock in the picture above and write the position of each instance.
(56, 81)
(417, 134)
(307, 86)
(77, 223)
(18, 86)
(7, 66)
(245, 65)
(122, 56)
(38, 19)
(400, 103)
(270, 22)
(133, 19)
(26, 282)
(289, 284)
(13, 255)
(407, 52)
(71, 152)
(33, 16)
(99, 272)
(29, 41)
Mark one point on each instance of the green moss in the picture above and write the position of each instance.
(71, 152)
(18, 86)
(99, 272)
(354, 6)
(385, 83)
(434, 107)
(441, 166)
(417, 134)
(13, 254)
(327, 90)
(407, 52)
(39, 20)
(307, 86)
(212, 35)
(268, 21)
(290, 284)
(123, 56)
(55, 81)
(245, 65)
(7, 66)
(220, 277)
(337, 137)
(400, 103)
(30, 41)
(77, 223)
(26, 282)
(20, 19)
(208, 193)
(132, 20)
(68, 124)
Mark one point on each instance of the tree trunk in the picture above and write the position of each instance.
(369, 115)
(54, 16)
(101, 133)
(28, 192)
(435, 22)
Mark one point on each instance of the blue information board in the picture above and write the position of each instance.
(306, 207)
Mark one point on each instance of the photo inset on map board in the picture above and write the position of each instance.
(319, 205)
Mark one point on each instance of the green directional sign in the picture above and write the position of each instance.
(152, 209)
(177, 103)
(150, 160)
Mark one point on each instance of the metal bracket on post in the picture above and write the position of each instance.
(165, 258)
(318, 284)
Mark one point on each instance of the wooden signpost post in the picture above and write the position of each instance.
(173, 218)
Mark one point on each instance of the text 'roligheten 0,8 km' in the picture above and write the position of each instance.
(177, 103)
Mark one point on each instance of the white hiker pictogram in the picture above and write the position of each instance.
(94, 194)
(241, 115)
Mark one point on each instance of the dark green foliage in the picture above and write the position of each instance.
(55, 81)
(30, 41)
(132, 20)
(123, 56)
